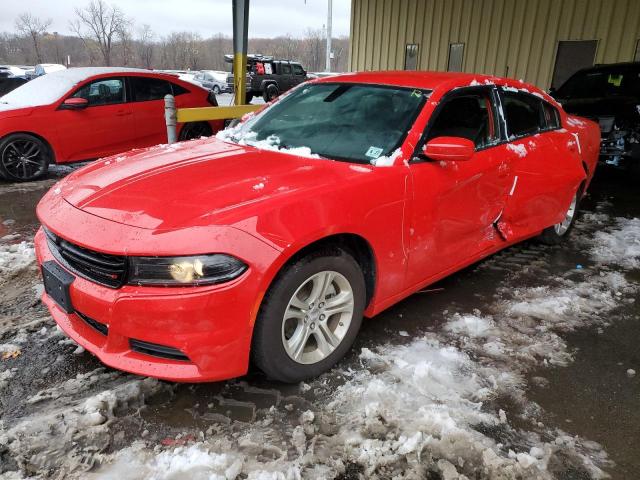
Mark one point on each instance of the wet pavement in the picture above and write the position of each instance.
(583, 393)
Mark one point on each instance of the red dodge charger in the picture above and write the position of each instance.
(272, 241)
(88, 113)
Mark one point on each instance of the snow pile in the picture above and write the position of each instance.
(272, 143)
(194, 462)
(67, 429)
(430, 405)
(387, 161)
(620, 246)
(15, 257)
(519, 149)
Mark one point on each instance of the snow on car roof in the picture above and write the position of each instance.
(48, 88)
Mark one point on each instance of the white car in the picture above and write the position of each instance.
(213, 80)
(13, 70)
(44, 68)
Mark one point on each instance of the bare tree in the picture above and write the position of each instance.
(104, 24)
(145, 46)
(33, 27)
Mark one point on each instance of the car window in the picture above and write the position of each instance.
(551, 116)
(470, 116)
(523, 113)
(352, 122)
(178, 90)
(297, 69)
(147, 89)
(286, 69)
(106, 91)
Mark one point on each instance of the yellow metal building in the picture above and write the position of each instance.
(540, 41)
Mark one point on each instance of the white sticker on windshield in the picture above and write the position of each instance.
(374, 152)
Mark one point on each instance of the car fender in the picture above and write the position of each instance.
(339, 211)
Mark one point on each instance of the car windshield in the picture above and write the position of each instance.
(341, 121)
(602, 84)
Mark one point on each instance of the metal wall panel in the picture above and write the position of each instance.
(516, 38)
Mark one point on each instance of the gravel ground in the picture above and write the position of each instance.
(521, 366)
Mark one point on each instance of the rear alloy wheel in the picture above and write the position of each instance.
(310, 316)
(216, 90)
(23, 157)
(192, 131)
(270, 92)
(556, 233)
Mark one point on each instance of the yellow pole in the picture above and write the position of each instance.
(240, 40)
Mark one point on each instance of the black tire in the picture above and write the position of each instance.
(270, 92)
(216, 90)
(268, 351)
(248, 97)
(194, 130)
(23, 157)
(555, 235)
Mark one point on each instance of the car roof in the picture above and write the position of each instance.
(421, 79)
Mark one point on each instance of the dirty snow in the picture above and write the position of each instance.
(15, 257)
(620, 245)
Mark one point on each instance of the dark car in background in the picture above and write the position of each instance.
(610, 95)
(268, 77)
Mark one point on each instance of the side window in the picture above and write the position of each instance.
(146, 89)
(523, 113)
(297, 70)
(551, 116)
(178, 90)
(106, 91)
(286, 69)
(470, 116)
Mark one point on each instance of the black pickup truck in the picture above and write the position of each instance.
(267, 77)
(609, 95)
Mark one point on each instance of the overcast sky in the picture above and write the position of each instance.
(268, 18)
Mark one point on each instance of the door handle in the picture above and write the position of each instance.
(122, 113)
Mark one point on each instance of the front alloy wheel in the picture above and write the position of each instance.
(318, 317)
(23, 157)
(310, 316)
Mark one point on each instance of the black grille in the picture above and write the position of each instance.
(108, 270)
(100, 327)
(157, 350)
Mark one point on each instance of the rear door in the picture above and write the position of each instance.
(148, 109)
(286, 79)
(104, 128)
(546, 172)
(455, 204)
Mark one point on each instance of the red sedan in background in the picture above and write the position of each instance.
(87, 113)
(273, 240)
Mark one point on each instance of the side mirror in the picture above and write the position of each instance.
(552, 92)
(74, 104)
(449, 149)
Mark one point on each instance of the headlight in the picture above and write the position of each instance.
(180, 271)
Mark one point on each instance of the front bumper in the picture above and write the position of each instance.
(210, 325)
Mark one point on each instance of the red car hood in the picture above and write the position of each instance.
(198, 183)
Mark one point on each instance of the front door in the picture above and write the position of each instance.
(455, 204)
(104, 128)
